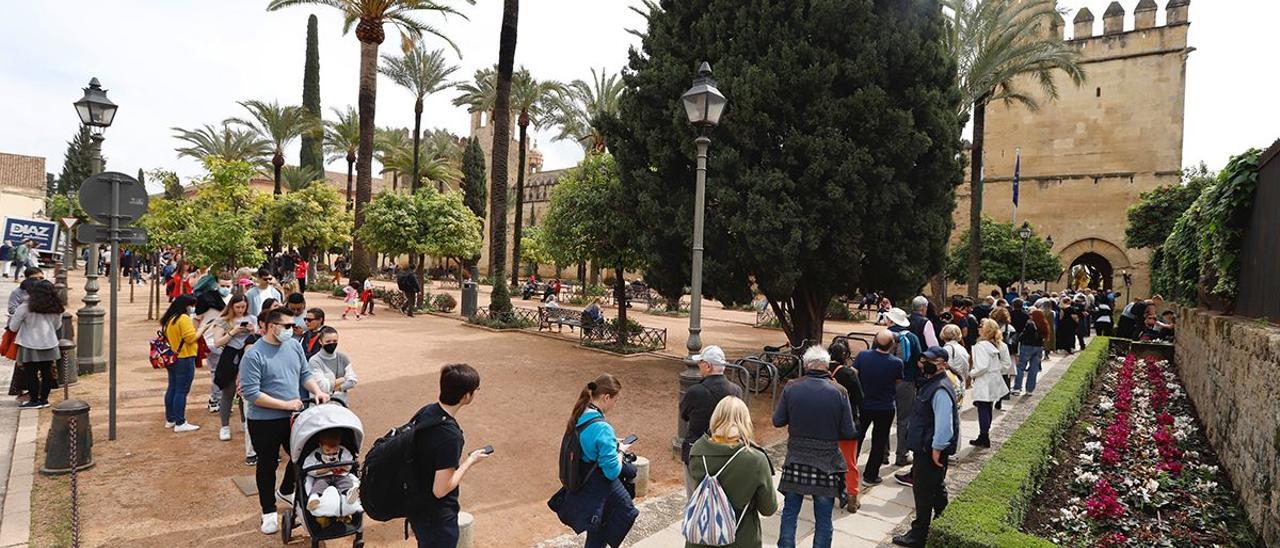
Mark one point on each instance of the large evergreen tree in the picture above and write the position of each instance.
(312, 152)
(77, 163)
(833, 168)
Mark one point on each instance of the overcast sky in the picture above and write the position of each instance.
(186, 63)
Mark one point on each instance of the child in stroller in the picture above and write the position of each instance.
(324, 445)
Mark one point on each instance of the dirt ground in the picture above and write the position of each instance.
(152, 487)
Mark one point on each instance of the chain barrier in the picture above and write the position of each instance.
(66, 387)
(75, 491)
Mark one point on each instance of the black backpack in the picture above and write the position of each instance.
(572, 474)
(388, 486)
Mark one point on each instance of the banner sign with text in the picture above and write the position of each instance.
(43, 233)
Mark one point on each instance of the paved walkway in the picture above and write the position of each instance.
(888, 508)
(17, 454)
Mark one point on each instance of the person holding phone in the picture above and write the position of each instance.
(601, 506)
(229, 334)
(437, 455)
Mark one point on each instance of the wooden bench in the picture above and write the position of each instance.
(560, 317)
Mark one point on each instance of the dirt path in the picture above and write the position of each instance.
(152, 487)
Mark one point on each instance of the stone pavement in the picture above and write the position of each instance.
(887, 509)
(17, 455)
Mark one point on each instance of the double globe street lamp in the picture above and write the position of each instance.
(703, 104)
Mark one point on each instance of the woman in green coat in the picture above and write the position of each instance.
(747, 480)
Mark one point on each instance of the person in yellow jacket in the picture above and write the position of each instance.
(180, 331)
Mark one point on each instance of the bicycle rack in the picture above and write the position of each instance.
(760, 365)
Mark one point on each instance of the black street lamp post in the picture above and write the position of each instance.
(1025, 234)
(1048, 240)
(704, 104)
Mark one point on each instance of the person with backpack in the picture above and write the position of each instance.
(934, 431)
(180, 332)
(908, 348)
(879, 373)
(593, 498)
(816, 412)
(735, 480)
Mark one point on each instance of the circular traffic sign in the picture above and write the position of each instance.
(95, 197)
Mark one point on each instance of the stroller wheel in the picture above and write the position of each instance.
(286, 526)
(359, 542)
(315, 543)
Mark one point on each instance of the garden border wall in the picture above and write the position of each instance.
(1231, 369)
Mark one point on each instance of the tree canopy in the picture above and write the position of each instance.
(429, 222)
(77, 163)
(313, 217)
(1002, 256)
(1151, 219)
(833, 167)
(474, 181)
(220, 225)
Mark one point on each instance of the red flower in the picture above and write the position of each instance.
(1104, 504)
(1111, 539)
(1164, 419)
(1172, 467)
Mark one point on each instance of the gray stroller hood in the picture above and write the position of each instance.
(321, 417)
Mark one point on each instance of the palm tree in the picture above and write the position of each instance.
(279, 125)
(226, 142)
(368, 17)
(500, 298)
(300, 177)
(391, 149)
(342, 139)
(998, 46)
(480, 95)
(422, 72)
(578, 107)
(532, 99)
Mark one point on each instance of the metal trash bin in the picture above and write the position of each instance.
(470, 293)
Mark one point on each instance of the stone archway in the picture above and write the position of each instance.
(1102, 257)
(1097, 272)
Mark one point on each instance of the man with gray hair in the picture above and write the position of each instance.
(701, 399)
(921, 325)
(817, 414)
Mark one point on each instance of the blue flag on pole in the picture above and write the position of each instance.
(1017, 171)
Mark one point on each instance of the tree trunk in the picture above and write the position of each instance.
(975, 196)
(620, 296)
(519, 228)
(500, 298)
(802, 317)
(351, 162)
(364, 157)
(277, 163)
(582, 273)
(417, 142)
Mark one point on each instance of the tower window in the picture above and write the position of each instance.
(1098, 93)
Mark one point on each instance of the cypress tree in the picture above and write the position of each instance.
(474, 187)
(833, 167)
(312, 153)
(50, 185)
(77, 163)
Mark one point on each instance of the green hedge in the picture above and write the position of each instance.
(991, 509)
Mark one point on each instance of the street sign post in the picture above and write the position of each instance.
(117, 200)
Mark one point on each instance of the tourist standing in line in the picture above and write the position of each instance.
(266, 289)
(1102, 320)
(816, 412)
(18, 383)
(909, 348)
(743, 470)
(701, 399)
(989, 358)
(1030, 351)
(297, 305)
(1010, 337)
(437, 456)
(847, 377)
(920, 324)
(935, 428)
(271, 372)
(957, 355)
(879, 373)
(1081, 310)
(6, 256)
(1068, 324)
(212, 327)
(180, 332)
(38, 322)
(602, 505)
(332, 368)
(231, 333)
(313, 319)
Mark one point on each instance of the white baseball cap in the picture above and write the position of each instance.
(712, 355)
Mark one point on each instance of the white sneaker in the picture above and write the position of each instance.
(270, 523)
(186, 427)
(168, 424)
(224, 433)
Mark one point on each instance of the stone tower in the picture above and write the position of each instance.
(1088, 155)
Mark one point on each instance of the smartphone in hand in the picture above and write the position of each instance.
(630, 439)
(488, 449)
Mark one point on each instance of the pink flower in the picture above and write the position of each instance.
(1111, 539)
(1172, 467)
(1104, 504)
(1164, 419)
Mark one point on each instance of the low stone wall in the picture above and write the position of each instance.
(1231, 368)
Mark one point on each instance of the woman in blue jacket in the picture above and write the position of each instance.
(602, 506)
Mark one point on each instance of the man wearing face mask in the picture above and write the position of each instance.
(270, 373)
(332, 369)
(934, 429)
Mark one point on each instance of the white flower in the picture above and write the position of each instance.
(1085, 457)
(1086, 478)
(1151, 485)
(1093, 447)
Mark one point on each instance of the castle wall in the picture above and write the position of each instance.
(1088, 155)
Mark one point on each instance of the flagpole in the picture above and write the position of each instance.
(1017, 172)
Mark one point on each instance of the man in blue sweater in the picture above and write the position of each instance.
(273, 374)
(934, 429)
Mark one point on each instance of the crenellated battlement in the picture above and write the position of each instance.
(1142, 33)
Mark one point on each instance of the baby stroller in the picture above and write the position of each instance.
(302, 441)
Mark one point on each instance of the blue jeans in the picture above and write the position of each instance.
(181, 373)
(821, 516)
(1028, 362)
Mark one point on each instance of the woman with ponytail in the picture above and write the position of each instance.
(601, 507)
(740, 466)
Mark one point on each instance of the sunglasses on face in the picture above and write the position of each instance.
(283, 324)
(309, 320)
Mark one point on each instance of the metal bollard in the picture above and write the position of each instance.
(642, 476)
(465, 521)
(69, 417)
(66, 365)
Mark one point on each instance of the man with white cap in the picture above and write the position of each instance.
(701, 399)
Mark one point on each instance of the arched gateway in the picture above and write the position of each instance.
(1094, 262)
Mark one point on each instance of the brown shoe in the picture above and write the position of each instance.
(853, 505)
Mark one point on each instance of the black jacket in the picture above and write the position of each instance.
(408, 282)
(697, 405)
(847, 377)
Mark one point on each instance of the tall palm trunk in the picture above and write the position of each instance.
(975, 196)
(364, 157)
(277, 163)
(515, 242)
(417, 140)
(351, 162)
(500, 298)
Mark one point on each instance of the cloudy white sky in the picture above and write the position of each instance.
(186, 63)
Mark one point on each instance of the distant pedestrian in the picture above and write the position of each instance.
(38, 322)
(741, 468)
(935, 428)
(351, 299)
(6, 257)
(1102, 321)
(181, 335)
(366, 297)
(816, 412)
(701, 399)
(408, 284)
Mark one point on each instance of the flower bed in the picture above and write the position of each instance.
(1137, 470)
